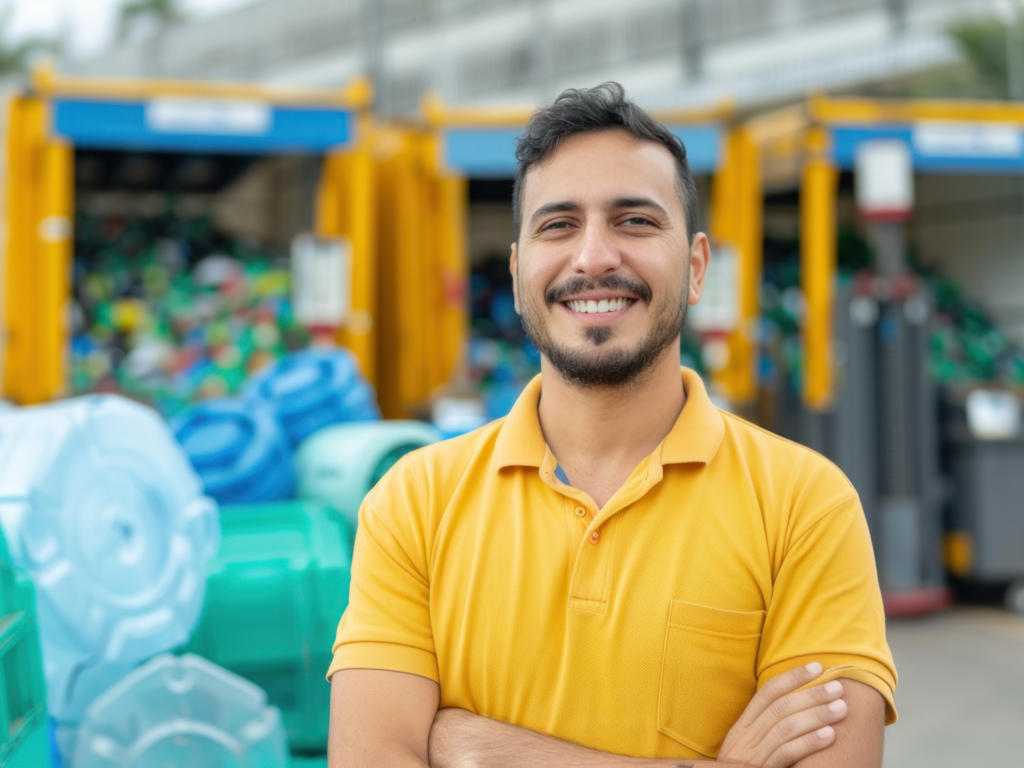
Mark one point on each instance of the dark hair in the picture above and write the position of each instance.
(582, 110)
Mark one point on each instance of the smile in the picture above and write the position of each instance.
(593, 307)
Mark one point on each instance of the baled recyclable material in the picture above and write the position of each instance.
(239, 450)
(276, 592)
(101, 509)
(339, 465)
(181, 712)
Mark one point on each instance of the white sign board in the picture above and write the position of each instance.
(884, 178)
(321, 280)
(937, 139)
(718, 308)
(993, 415)
(238, 118)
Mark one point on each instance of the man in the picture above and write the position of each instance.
(617, 573)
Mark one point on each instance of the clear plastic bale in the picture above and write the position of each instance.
(183, 711)
(101, 508)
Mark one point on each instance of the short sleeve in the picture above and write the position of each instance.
(387, 622)
(826, 606)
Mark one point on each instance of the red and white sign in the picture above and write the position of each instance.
(884, 177)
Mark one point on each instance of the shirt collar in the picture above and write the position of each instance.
(695, 437)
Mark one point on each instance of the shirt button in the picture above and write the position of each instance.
(595, 537)
(581, 512)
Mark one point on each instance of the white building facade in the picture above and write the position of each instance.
(668, 53)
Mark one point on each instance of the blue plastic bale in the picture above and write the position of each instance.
(312, 389)
(238, 449)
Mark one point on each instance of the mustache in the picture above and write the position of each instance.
(580, 284)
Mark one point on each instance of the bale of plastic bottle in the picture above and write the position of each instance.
(239, 450)
(183, 711)
(103, 512)
(339, 465)
(312, 389)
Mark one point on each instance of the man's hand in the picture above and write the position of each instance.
(781, 725)
(779, 728)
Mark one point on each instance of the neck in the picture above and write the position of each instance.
(600, 434)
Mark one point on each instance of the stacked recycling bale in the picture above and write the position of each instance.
(280, 581)
(242, 447)
(104, 514)
(170, 310)
(22, 721)
(182, 712)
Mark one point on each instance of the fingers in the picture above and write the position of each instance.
(778, 687)
(807, 729)
(794, 751)
(801, 700)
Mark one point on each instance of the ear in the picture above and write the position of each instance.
(513, 267)
(700, 256)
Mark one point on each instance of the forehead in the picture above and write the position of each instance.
(600, 166)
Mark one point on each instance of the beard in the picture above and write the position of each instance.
(592, 367)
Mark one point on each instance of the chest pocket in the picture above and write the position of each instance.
(707, 673)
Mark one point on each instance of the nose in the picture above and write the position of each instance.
(597, 254)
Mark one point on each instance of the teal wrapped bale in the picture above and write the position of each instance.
(23, 739)
(339, 465)
(275, 594)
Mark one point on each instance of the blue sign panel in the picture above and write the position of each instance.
(703, 146)
(481, 153)
(942, 147)
(199, 125)
(489, 153)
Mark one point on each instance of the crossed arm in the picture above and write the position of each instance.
(391, 718)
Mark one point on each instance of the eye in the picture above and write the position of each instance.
(555, 225)
(639, 220)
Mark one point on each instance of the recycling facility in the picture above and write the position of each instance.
(229, 310)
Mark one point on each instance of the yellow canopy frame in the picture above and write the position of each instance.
(39, 210)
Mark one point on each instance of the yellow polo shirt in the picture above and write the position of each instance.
(643, 628)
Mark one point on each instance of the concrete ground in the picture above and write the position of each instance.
(961, 690)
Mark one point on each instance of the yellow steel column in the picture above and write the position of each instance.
(408, 216)
(38, 210)
(387, 147)
(359, 333)
(454, 274)
(446, 228)
(345, 207)
(55, 235)
(21, 216)
(818, 267)
(736, 221)
(404, 288)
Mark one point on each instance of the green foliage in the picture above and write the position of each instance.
(160, 13)
(15, 57)
(983, 41)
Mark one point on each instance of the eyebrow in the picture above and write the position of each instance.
(638, 202)
(571, 206)
(564, 206)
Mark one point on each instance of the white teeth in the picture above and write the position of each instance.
(598, 307)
